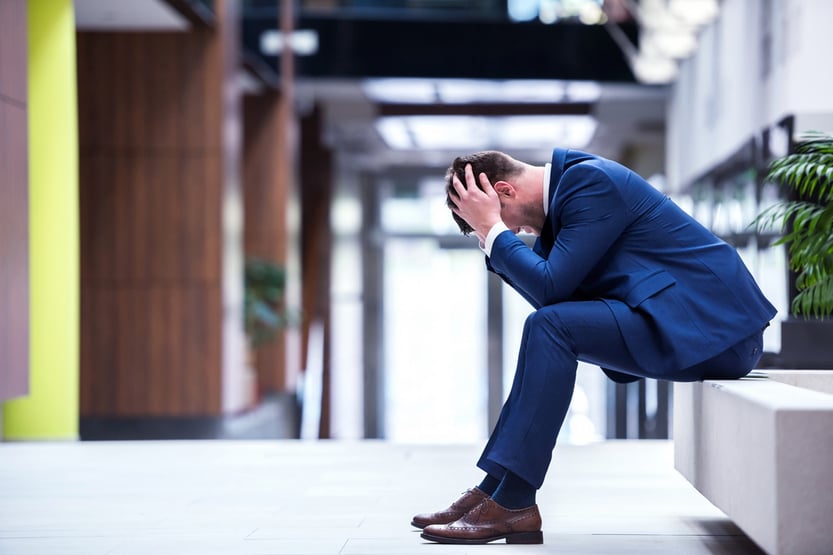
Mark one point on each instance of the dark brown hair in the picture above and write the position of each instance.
(497, 166)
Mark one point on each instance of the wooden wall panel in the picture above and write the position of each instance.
(157, 91)
(152, 180)
(265, 193)
(317, 184)
(14, 203)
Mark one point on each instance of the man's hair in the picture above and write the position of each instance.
(497, 166)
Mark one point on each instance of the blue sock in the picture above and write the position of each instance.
(489, 484)
(514, 492)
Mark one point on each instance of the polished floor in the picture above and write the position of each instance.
(346, 498)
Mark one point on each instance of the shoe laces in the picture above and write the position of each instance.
(482, 508)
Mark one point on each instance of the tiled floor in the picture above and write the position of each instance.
(292, 497)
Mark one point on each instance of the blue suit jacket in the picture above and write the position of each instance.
(611, 236)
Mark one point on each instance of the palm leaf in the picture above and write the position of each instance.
(815, 300)
(806, 224)
(809, 174)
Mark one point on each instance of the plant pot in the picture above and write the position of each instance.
(806, 344)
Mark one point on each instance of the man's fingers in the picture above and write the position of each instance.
(470, 181)
(471, 189)
(487, 185)
(458, 186)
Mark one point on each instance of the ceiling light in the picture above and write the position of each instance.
(395, 133)
(545, 131)
(548, 12)
(522, 10)
(672, 43)
(467, 91)
(472, 133)
(459, 91)
(592, 14)
(583, 91)
(304, 42)
(694, 12)
(588, 12)
(406, 91)
(654, 70)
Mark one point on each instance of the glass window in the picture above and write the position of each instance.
(435, 343)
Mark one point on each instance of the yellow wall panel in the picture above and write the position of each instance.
(51, 409)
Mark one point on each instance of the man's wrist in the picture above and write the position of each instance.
(496, 230)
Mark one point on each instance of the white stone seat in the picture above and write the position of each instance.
(761, 450)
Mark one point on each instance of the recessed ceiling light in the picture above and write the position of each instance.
(473, 133)
(468, 91)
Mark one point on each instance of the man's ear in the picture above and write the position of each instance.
(504, 189)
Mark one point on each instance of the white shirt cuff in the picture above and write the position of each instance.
(496, 230)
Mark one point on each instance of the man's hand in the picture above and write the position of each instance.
(480, 209)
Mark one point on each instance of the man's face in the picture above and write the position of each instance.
(522, 215)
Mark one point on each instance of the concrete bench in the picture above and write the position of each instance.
(761, 450)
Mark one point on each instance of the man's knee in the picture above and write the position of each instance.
(550, 321)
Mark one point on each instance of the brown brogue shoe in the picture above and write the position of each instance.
(470, 499)
(489, 522)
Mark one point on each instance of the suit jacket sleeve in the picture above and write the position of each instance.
(531, 300)
(587, 214)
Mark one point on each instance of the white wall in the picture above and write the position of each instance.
(759, 61)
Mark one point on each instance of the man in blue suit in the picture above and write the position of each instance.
(620, 277)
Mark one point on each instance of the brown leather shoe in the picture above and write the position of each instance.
(489, 522)
(470, 499)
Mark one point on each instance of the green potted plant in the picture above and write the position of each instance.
(806, 223)
(264, 313)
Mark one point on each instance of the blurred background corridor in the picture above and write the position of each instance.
(225, 219)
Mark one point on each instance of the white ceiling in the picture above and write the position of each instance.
(127, 15)
(628, 116)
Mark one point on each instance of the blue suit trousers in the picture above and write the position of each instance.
(554, 339)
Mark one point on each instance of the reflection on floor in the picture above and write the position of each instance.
(294, 497)
(276, 416)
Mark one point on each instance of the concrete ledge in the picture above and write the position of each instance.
(761, 450)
